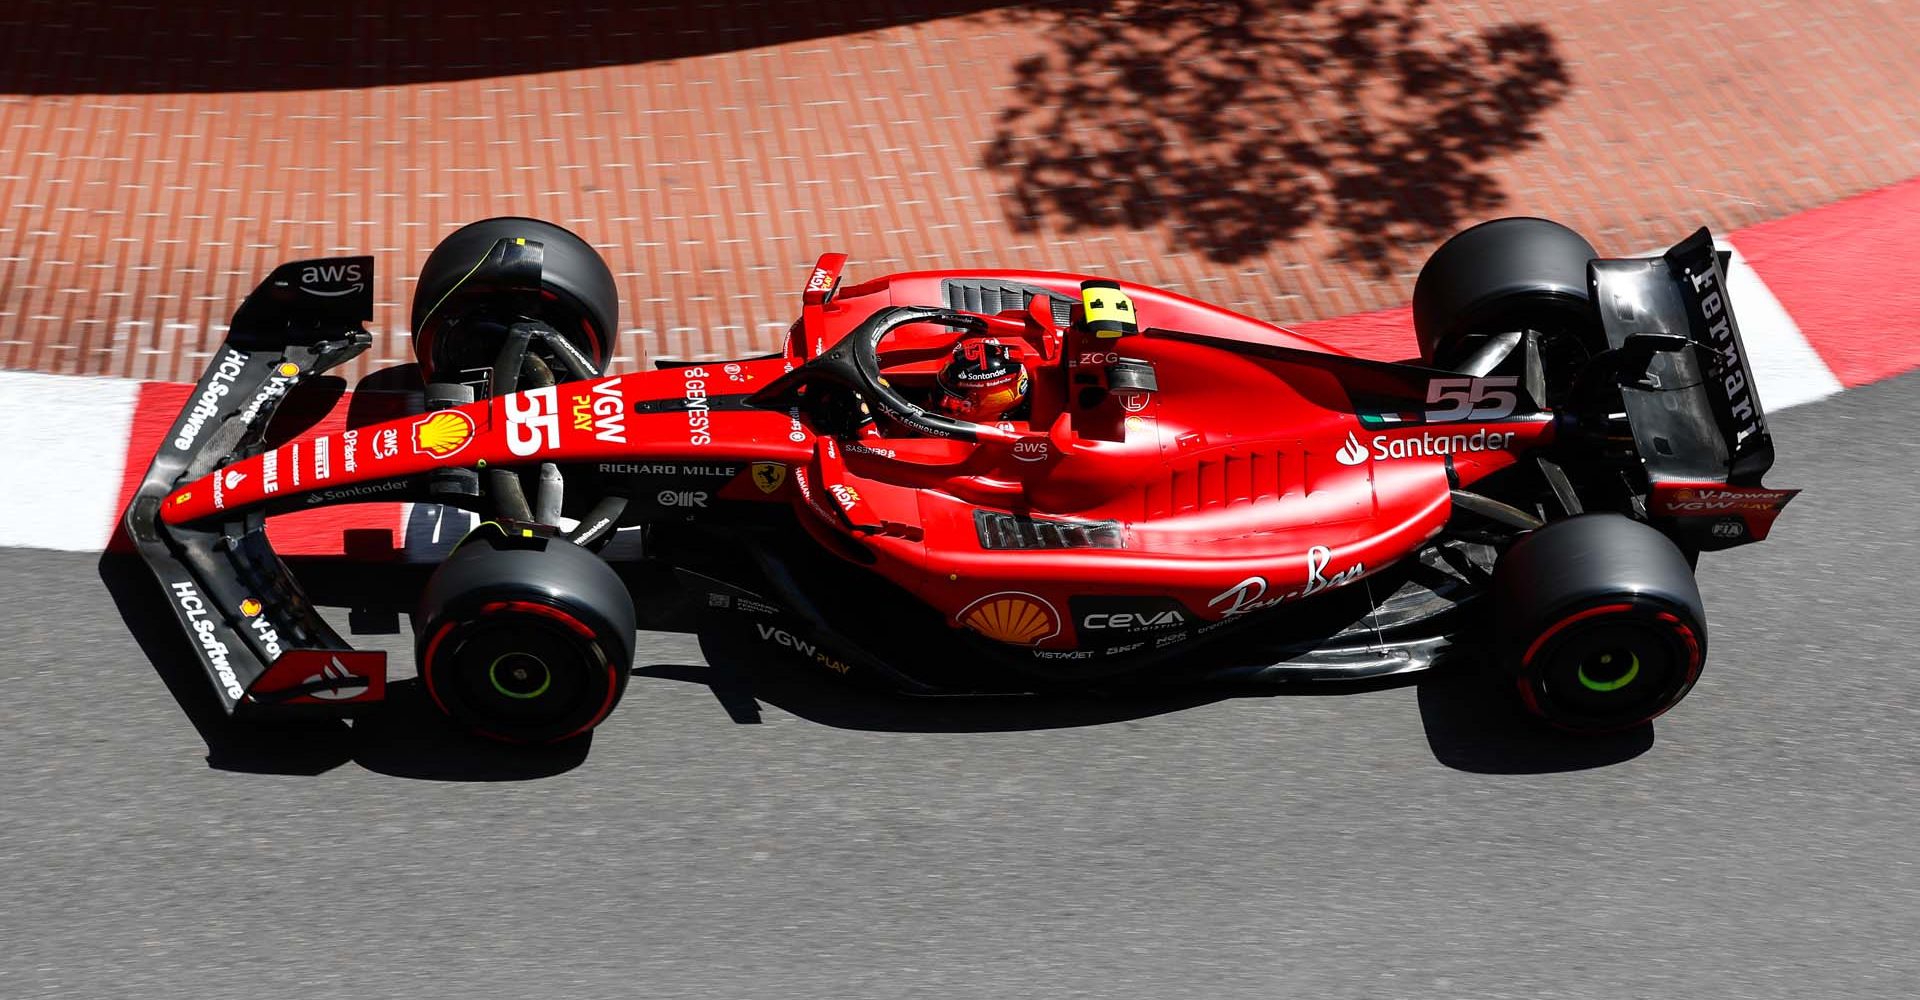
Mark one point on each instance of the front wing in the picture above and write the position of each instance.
(258, 638)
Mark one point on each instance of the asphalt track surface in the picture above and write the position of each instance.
(1405, 841)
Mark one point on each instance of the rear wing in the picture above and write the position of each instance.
(1697, 421)
(258, 638)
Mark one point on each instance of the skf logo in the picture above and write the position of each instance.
(769, 476)
(1012, 617)
(1108, 311)
(443, 433)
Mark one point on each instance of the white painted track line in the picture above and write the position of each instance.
(1787, 371)
(64, 452)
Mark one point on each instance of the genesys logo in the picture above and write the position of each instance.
(699, 415)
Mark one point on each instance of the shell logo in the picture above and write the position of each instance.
(443, 433)
(1012, 617)
(288, 369)
(250, 607)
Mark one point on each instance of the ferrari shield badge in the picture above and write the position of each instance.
(769, 476)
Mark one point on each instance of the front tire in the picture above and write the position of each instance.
(1501, 276)
(1598, 622)
(577, 294)
(524, 640)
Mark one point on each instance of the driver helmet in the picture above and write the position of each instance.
(982, 383)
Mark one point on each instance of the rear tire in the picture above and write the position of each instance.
(1598, 622)
(1499, 276)
(577, 293)
(524, 640)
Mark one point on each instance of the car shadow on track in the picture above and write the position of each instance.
(1476, 726)
(405, 737)
(1470, 724)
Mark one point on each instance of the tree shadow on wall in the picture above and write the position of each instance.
(114, 47)
(1236, 124)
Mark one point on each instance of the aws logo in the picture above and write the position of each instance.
(332, 274)
(1012, 617)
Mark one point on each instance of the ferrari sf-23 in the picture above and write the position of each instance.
(992, 481)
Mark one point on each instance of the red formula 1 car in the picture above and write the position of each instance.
(995, 480)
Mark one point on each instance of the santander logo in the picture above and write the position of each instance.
(1351, 453)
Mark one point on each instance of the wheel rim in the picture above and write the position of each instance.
(1612, 669)
(520, 675)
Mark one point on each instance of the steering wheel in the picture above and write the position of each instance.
(854, 362)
